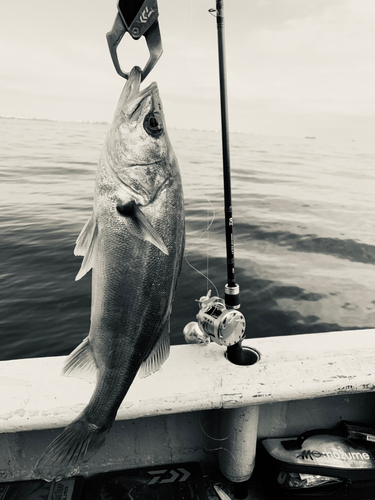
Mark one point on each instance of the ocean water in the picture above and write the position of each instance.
(304, 232)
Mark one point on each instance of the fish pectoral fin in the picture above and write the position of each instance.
(86, 246)
(158, 354)
(148, 233)
(81, 362)
(85, 237)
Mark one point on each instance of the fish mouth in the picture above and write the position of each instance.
(135, 100)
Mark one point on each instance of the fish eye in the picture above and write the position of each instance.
(153, 124)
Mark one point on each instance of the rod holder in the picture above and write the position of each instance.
(237, 455)
(242, 356)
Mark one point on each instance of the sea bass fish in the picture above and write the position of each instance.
(134, 243)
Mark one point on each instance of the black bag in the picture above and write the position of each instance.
(320, 464)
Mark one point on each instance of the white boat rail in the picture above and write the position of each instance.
(300, 381)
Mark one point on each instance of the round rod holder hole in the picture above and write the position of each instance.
(242, 356)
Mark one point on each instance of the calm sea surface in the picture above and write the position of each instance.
(304, 214)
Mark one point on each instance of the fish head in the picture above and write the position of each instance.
(138, 144)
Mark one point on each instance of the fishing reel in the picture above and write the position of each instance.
(216, 322)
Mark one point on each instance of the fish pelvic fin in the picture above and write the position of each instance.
(75, 445)
(81, 362)
(158, 355)
(86, 246)
(146, 231)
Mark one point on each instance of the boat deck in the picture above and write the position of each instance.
(255, 487)
(179, 484)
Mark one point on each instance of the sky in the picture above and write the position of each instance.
(294, 67)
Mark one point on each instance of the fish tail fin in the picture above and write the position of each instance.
(76, 444)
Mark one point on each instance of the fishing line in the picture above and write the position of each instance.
(209, 224)
(213, 438)
(191, 246)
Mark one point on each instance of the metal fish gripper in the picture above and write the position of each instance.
(138, 18)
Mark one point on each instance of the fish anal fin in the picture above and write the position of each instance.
(90, 254)
(147, 232)
(81, 362)
(157, 356)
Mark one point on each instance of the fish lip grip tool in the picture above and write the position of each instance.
(138, 18)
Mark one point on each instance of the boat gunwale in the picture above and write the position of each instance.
(35, 396)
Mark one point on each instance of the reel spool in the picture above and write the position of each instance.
(224, 326)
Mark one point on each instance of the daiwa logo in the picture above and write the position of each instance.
(338, 455)
(145, 15)
(174, 476)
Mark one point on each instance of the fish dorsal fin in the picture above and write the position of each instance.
(81, 362)
(146, 231)
(86, 246)
(158, 355)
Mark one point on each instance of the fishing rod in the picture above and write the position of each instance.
(230, 323)
(232, 290)
(221, 319)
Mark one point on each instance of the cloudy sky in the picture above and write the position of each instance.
(295, 67)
